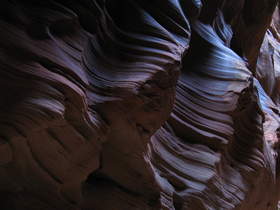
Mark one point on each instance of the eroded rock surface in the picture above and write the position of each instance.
(139, 105)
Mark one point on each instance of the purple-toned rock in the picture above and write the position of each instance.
(139, 105)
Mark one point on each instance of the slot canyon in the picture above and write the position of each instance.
(139, 105)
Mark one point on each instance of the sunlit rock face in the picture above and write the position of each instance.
(139, 105)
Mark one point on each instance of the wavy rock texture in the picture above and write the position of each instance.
(139, 105)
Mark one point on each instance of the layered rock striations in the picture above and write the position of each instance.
(139, 105)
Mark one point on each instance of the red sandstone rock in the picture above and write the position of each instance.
(137, 104)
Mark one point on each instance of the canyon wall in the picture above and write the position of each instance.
(139, 105)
